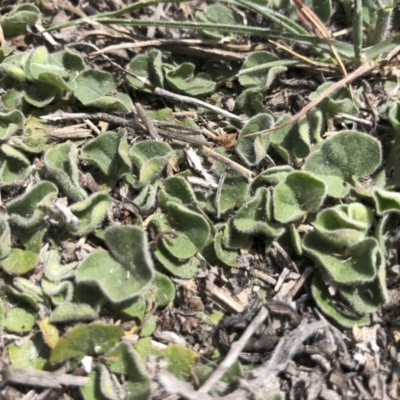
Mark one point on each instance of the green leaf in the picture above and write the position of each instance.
(179, 188)
(24, 211)
(371, 296)
(59, 292)
(21, 17)
(252, 149)
(91, 391)
(250, 101)
(176, 243)
(301, 193)
(271, 177)
(180, 360)
(38, 63)
(18, 320)
(321, 296)
(54, 271)
(293, 140)
(354, 265)
(233, 194)
(323, 8)
(33, 353)
(220, 14)
(139, 66)
(343, 157)
(386, 201)
(11, 123)
(255, 215)
(21, 261)
(106, 385)
(161, 292)
(394, 118)
(149, 159)
(123, 359)
(34, 136)
(338, 102)
(228, 257)
(62, 165)
(184, 269)
(40, 94)
(121, 102)
(127, 272)
(109, 153)
(146, 199)
(260, 69)
(26, 291)
(70, 61)
(5, 239)
(189, 222)
(92, 85)
(345, 224)
(145, 68)
(15, 166)
(183, 80)
(93, 339)
(90, 213)
(13, 71)
(71, 312)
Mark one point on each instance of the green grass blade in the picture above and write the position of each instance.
(382, 47)
(357, 31)
(280, 63)
(271, 15)
(344, 49)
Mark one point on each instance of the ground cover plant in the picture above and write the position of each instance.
(199, 200)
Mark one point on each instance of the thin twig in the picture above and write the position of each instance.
(31, 377)
(147, 121)
(218, 194)
(184, 138)
(299, 284)
(225, 160)
(234, 351)
(196, 102)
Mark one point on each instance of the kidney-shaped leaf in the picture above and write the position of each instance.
(259, 70)
(92, 339)
(182, 79)
(21, 261)
(252, 149)
(93, 84)
(127, 272)
(124, 359)
(5, 239)
(23, 16)
(355, 265)
(62, 165)
(343, 157)
(386, 201)
(218, 14)
(90, 213)
(345, 224)
(323, 299)
(24, 211)
(109, 153)
(255, 215)
(10, 123)
(300, 194)
(14, 165)
(149, 158)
